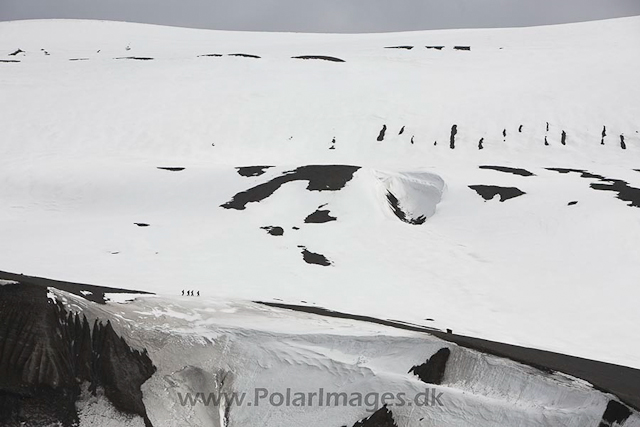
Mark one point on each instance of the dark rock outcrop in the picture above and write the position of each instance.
(274, 230)
(383, 417)
(136, 58)
(615, 414)
(47, 353)
(172, 169)
(382, 132)
(515, 171)
(624, 190)
(320, 216)
(320, 57)
(399, 47)
(314, 258)
(452, 137)
(319, 177)
(249, 171)
(432, 371)
(394, 203)
(244, 55)
(488, 192)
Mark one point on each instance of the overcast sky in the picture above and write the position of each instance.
(351, 16)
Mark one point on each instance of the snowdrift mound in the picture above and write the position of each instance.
(412, 196)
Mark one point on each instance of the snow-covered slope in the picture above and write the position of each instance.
(82, 134)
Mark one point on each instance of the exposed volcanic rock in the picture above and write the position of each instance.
(506, 169)
(381, 134)
(452, 137)
(273, 230)
(616, 413)
(624, 190)
(383, 417)
(172, 169)
(249, 171)
(321, 57)
(401, 214)
(320, 178)
(314, 258)
(488, 192)
(432, 371)
(320, 216)
(46, 353)
(244, 55)
(136, 58)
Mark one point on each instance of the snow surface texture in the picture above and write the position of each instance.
(209, 345)
(82, 198)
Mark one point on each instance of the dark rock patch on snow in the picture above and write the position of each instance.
(319, 177)
(320, 216)
(615, 414)
(515, 171)
(624, 190)
(452, 137)
(249, 171)
(401, 131)
(244, 55)
(622, 144)
(435, 47)
(314, 258)
(462, 47)
(432, 371)
(141, 224)
(383, 417)
(488, 192)
(9, 60)
(572, 203)
(273, 230)
(171, 168)
(47, 353)
(320, 57)
(216, 55)
(78, 59)
(563, 138)
(382, 132)
(402, 215)
(480, 147)
(17, 52)
(604, 133)
(399, 47)
(136, 58)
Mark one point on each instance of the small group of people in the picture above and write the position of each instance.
(190, 293)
